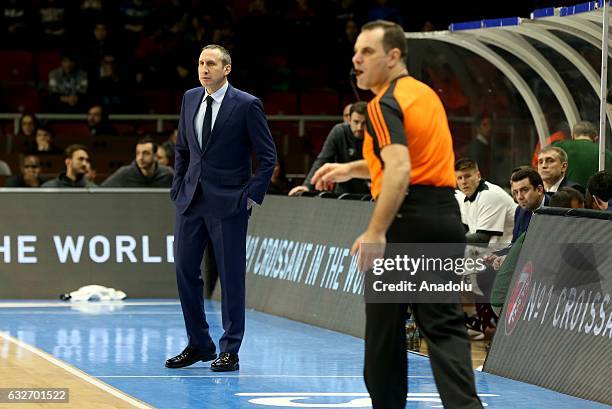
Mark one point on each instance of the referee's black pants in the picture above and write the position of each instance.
(428, 215)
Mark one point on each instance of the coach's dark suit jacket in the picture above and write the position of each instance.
(216, 211)
(223, 167)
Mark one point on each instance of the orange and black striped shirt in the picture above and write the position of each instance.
(410, 113)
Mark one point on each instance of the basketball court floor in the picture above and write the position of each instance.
(111, 355)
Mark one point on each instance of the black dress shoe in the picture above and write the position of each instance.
(190, 356)
(225, 363)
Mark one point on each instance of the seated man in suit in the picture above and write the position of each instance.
(528, 189)
(552, 167)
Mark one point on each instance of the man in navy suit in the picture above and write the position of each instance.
(213, 191)
(528, 190)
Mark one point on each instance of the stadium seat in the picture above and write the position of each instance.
(159, 102)
(124, 128)
(52, 164)
(16, 66)
(150, 127)
(280, 103)
(76, 129)
(20, 98)
(322, 102)
(45, 62)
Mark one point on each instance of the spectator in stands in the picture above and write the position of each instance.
(346, 113)
(552, 165)
(52, 22)
(91, 173)
(44, 142)
(15, 24)
(27, 126)
(97, 120)
(486, 209)
(567, 197)
(278, 182)
(583, 153)
(480, 147)
(164, 156)
(26, 134)
(30, 174)
(144, 171)
(5, 169)
(77, 158)
(97, 46)
(599, 191)
(108, 87)
(170, 144)
(528, 189)
(343, 144)
(67, 86)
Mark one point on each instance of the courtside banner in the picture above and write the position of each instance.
(556, 326)
(53, 241)
(298, 261)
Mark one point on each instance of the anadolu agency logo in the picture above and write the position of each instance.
(519, 297)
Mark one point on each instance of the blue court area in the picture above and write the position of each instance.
(283, 363)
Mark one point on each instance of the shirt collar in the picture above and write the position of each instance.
(555, 187)
(219, 94)
(481, 186)
(543, 202)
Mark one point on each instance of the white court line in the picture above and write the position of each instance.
(74, 304)
(413, 394)
(241, 376)
(77, 312)
(76, 372)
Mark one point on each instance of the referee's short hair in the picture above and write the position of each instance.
(534, 177)
(393, 36)
(466, 164)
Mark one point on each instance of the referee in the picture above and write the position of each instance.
(407, 143)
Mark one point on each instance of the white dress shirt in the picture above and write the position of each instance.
(217, 96)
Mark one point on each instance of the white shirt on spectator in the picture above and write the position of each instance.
(491, 210)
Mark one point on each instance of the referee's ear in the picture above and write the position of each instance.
(395, 57)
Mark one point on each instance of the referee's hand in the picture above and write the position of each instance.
(370, 246)
(329, 174)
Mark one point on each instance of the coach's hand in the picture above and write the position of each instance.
(370, 246)
(329, 174)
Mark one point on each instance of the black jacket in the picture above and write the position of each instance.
(341, 146)
(131, 176)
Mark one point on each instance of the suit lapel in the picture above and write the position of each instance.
(225, 110)
(196, 107)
